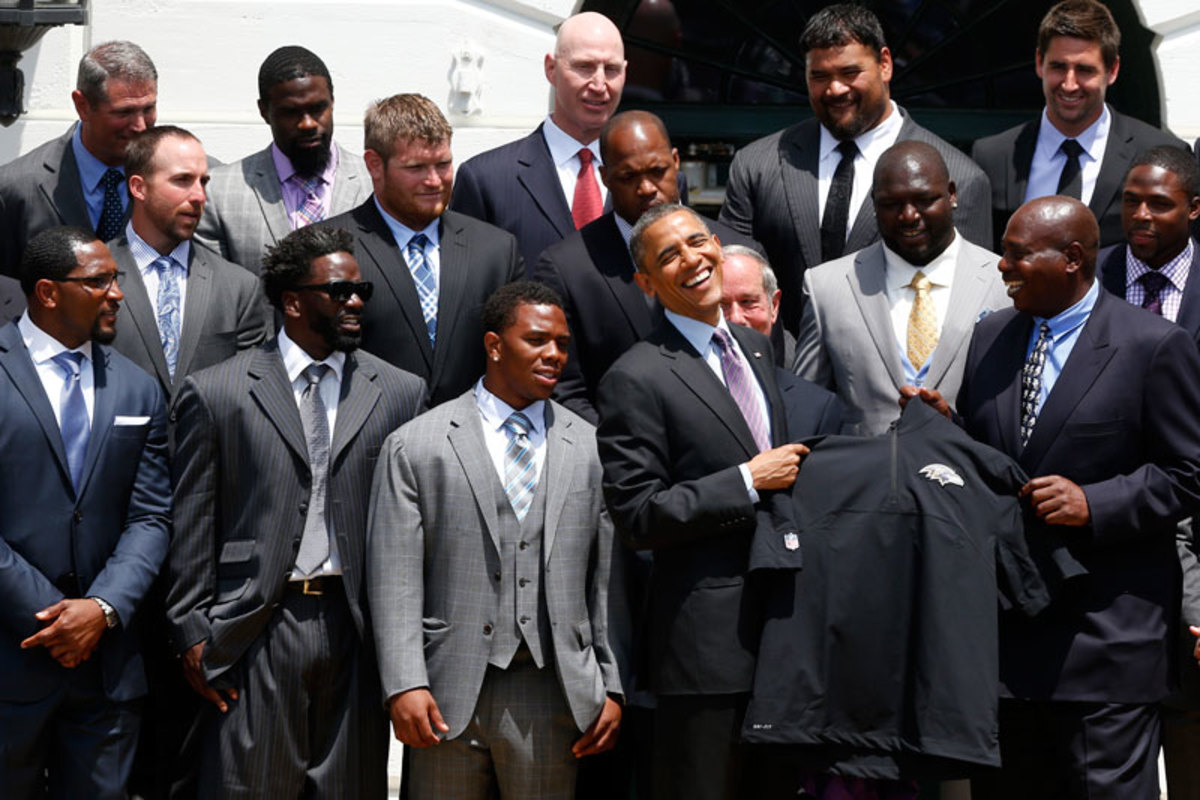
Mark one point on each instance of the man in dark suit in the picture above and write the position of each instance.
(434, 268)
(804, 191)
(275, 450)
(1079, 147)
(544, 186)
(87, 504)
(298, 179)
(188, 308)
(688, 419)
(12, 299)
(77, 179)
(1097, 400)
(591, 269)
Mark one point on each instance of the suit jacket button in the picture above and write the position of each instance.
(496, 574)
(524, 620)
(522, 583)
(523, 545)
(77, 516)
(487, 629)
(304, 508)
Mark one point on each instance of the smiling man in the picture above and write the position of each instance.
(495, 582)
(803, 192)
(898, 312)
(1079, 147)
(300, 178)
(78, 178)
(272, 473)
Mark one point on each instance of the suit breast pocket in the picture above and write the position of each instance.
(1100, 429)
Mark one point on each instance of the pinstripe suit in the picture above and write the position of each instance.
(772, 198)
(242, 487)
(245, 212)
(435, 570)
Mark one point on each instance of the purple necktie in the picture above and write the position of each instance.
(1153, 283)
(737, 380)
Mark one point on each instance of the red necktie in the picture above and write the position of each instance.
(587, 205)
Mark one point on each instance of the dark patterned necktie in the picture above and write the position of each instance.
(837, 204)
(1070, 181)
(112, 213)
(1031, 383)
(1153, 282)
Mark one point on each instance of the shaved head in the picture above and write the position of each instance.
(1049, 260)
(913, 156)
(587, 71)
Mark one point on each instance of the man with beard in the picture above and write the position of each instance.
(804, 191)
(275, 449)
(300, 178)
(87, 514)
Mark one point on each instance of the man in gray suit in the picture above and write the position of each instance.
(77, 179)
(898, 312)
(493, 577)
(275, 449)
(802, 192)
(300, 178)
(188, 308)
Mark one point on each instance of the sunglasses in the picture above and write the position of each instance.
(340, 291)
(97, 283)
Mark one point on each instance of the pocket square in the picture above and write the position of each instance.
(120, 420)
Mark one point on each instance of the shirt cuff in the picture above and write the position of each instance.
(749, 481)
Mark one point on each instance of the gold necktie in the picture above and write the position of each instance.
(922, 322)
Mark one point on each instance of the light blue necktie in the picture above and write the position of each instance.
(73, 416)
(519, 476)
(314, 417)
(168, 310)
(427, 290)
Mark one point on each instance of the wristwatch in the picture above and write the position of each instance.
(110, 614)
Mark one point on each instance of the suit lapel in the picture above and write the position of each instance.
(1189, 308)
(62, 185)
(1119, 153)
(346, 188)
(868, 286)
(273, 392)
(263, 179)
(455, 253)
(15, 360)
(557, 473)
(196, 306)
(359, 396)
(139, 310)
(103, 411)
(466, 437)
(1112, 272)
(611, 257)
(1022, 162)
(764, 372)
(537, 175)
(799, 148)
(971, 282)
(380, 246)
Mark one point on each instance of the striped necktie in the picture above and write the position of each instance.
(519, 477)
(425, 280)
(737, 380)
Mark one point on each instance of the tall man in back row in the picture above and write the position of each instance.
(804, 192)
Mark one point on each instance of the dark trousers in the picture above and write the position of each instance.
(626, 771)
(1074, 751)
(75, 743)
(697, 750)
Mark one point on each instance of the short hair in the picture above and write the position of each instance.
(289, 262)
(769, 281)
(403, 117)
(841, 24)
(287, 64)
(52, 254)
(122, 61)
(1177, 161)
(1082, 19)
(139, 156)
(500, 310)
(618, 121)
(654, 214)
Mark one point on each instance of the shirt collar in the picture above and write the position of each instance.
(402, 233)
(1176, 270)
(698, 334)
(91, 169)
(624, 228)
(285, 169)
(871, 143)
(295, 360)
(1066, 321)
(495, 411)
(1051, 138)
(562, 147)
(940, 271)
(144, 255)
(42, 346)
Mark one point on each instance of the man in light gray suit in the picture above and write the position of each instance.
(188, 308)
(802, 192)
(78, 179)
(901, 311)
(300, 178)
(275, 449)
(493, 578)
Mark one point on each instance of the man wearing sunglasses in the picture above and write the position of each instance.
(274, 454)
(86, 499)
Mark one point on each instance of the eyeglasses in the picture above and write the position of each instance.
(97, 283)
(340, 291)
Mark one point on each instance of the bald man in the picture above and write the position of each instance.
(1110, 433)
(545, 186)
(898, 312)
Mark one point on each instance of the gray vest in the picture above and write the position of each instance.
(522, 614)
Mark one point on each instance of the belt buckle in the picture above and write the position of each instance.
(312, 586)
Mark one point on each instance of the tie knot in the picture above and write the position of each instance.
(920, 282)
(722, 340)
(1071, 148)
(418, 242)
(1044, 331)
(848, 149)
(69, 361)
(112, 178)
(518, 424)
(1154, 281)
(314, 372)
(309, 185)
(585, 157)
(162, 264)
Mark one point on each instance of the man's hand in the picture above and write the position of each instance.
(601, 735)
(415, 715)
(776, 468)
(1057, 501)
(193, 671)
(1196, 650)
(930, 397)
(74, 629)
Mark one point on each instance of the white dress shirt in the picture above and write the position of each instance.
(493, 412)
(42, 348)
(564, 152)
(1049, 159)
(871, 145)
